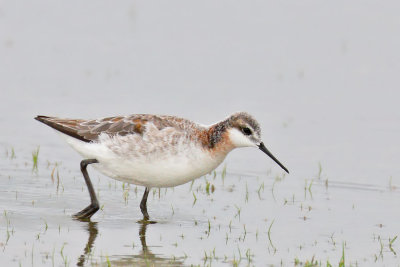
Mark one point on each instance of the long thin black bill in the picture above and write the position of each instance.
(266, 151)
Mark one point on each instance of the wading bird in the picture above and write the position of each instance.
(154, 151)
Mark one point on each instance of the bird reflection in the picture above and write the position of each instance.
(144, 258)
(92, 230)
(142, 236)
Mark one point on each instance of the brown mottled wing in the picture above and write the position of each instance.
(67, 126)
(89, 130)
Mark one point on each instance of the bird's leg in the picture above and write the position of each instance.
(87, 212)
(143, 204)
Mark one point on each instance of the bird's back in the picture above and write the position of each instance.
(90, 130)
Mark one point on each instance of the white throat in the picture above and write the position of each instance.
(238, 139)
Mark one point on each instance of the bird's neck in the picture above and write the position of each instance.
(216, 137)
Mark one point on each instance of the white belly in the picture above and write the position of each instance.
(164, 169)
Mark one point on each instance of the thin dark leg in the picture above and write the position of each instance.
(87, 212)
(143, 204)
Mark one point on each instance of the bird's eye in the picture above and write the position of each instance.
(246, 131)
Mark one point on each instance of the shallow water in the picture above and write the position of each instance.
(248, 219)
(322, 79)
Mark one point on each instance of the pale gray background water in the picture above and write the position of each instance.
(321, 78)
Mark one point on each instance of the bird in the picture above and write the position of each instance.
(154, 151)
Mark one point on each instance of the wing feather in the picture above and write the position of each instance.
(90, 130)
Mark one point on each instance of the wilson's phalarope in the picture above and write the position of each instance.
(154, 151)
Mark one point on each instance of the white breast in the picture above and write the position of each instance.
(159, 162)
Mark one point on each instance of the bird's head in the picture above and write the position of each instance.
(244, 131)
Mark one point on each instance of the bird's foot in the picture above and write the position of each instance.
(87, 212)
